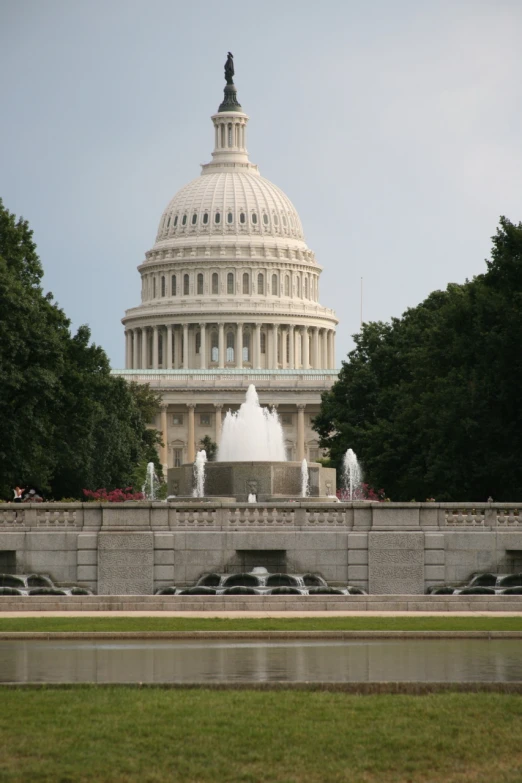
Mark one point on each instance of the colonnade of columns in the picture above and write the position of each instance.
(219, 345)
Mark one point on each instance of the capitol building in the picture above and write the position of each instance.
(230, 297)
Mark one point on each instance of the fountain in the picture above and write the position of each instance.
(152, 483)
(352, 475)
(199, 474)
(305, 481)
(251, 464)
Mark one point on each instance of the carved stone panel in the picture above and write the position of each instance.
(396, 563)
(125, 563)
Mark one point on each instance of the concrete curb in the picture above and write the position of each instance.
(260, 635)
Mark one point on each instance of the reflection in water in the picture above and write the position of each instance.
(149, 661)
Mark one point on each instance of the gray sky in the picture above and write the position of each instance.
(394, 127)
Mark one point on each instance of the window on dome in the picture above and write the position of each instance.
(160, 349)
(173, 285)
(198, 342)
(246, 347)
(222, 135)
(242, 217)
(246, 283)
(163, 286)
(265, 219)
(254, 218)
(194, 218)
(287, 348)
(284, 221)
(214, 350)
(287, 286)
(153, 287)
(186, 285)
(217, 218)
(215, 283)
(230, 217)
(263, 342)
(184, 220)
(230, 283)
(205, 218)
(168, 222)
(175, 221)
(230, 135)
(276, 220)
(200, 283)
(230, 346)
(274, 285)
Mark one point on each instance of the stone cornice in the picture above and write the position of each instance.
(196, 312)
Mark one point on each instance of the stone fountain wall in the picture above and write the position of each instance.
(385, 548)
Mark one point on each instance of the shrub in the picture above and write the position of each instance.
(112, 495)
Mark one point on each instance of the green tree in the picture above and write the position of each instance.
(65, 422)
(429, 402)
(210, 447)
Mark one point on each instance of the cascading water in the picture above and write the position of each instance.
(352, 475)
(252, 434)
(199, 474)
(152, 483)
(305, 479)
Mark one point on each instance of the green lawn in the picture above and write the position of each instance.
(261, 624)
(153, 735)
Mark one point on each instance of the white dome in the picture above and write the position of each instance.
(237, 203)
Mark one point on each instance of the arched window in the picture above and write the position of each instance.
(184, 220)
(263, 342)
(186, 285)
(194, 218)
(200, 283)
(205, 218)
(298, 286)
(153, 287)
(242, 217)
(306, 288)
(230, 346)
(215, 283)
(254, 218)
(168, 222)
(160, 349)
(276, 219)
(230, 217)
(217, 218)
(284, 221)
(214, 350)
(260, 284)
(198, 342)
(175, 221)
(246, 283)
(265, 219)
(230, 283)
(274, 285)
(173, 286)
(246, 346)
(163, 286)
(287, 285)
(222, 135)
(230, 135)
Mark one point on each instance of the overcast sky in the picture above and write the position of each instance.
(394, 127)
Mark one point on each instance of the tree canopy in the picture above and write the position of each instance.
(66, 424)
(430, 402)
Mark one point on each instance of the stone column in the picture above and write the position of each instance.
(315, 348)
(191, 453)
(155, 351)
(275, 330)
(300, 431)
(185, 348)
(329, 359)
(257, 347)
(164, 438)
(128, 364)
(177, 348)
(332, 351)
(135, 351)
(291, 356)
(239, 346)
(219, 421)
(168, 362)
(283, 332)
(324, 352)
(306, 349)
(144, 348)
(221, 345)
(203, 347)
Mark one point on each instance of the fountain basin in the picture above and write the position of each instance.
(267, 480)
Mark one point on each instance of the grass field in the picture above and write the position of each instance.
(121, 734)
(261, 624)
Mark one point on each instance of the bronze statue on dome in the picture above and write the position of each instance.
(229, 69)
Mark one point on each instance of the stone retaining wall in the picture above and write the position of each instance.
(385, 548)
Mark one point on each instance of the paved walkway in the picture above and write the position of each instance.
(274, 615)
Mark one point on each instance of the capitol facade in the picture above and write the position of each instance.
(229, 297)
